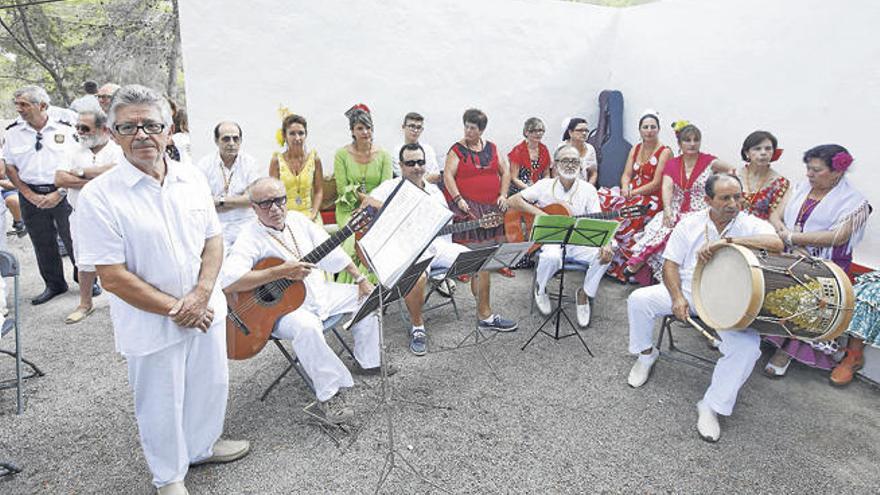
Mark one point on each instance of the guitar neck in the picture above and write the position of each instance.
(323, 249)
(455, 228)
(603, 215)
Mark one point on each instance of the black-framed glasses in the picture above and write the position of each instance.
(266, 204)
(103, 97)
(38, 145)
(414, 127)
(128, 129)
(83, 128)
(413, 163)
(580, 129)
(536, 131)
(569, 161)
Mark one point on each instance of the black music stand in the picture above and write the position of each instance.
(564, 231)
(376, 301)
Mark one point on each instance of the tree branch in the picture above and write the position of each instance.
(59, 82)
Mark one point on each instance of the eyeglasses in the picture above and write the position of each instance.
(38, 145)
(569, 161)
(83, 128)
(413, 163)
(297, 133)
(231, 139)
(104, 97)
(131, 129)
(536, 131)
(414, 127)
(266, 204)
(580, 129)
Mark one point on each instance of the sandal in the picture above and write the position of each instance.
(78, 315)
(772, 370)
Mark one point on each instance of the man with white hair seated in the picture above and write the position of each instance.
(290, 235)
(96, 154)
(696, 238)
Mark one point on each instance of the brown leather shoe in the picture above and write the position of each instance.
(844, 372)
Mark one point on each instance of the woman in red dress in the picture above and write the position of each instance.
(763, 187)
(530, 159)
(639, 186)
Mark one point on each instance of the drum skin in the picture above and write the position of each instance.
(775, 294)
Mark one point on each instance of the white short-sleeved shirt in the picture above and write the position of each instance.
(158, 231)
(110, 154)
(588, 161)
(431, 165)
(256, 242)
(34, 166)
(244, 171)
(384, 190)
(581, 198)
(696, 229)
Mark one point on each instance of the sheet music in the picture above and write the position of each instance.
(406, 225)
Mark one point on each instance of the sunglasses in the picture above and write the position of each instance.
(231, 139)
(38, 145)
(104, 97)
(266, 204)
(413, 163)
(83, 128)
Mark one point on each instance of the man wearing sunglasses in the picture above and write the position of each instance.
(95, 155)
(37, 145)
(413, 164)
(157, 244)
(229, 172)
(105, 94)
(413, 125)
(290, 235)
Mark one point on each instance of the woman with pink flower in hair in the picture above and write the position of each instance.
(824, 217)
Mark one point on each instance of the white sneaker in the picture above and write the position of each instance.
(583, 314)
(175, 488)
(542, 301)
(707, 423)
(641, 370)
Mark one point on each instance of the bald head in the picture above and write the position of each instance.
(227, 137)
(265, 188)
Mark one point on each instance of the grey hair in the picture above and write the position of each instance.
(259, 182)
(564, 147)
(532, 123)
(135, 94)
(34, 94)
(88, 105)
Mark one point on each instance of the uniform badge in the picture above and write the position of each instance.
(59, 138)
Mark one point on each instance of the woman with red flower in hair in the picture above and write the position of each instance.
(763, 187)
(824, 217)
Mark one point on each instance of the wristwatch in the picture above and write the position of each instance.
(62, 191)
(80, 172)
(221, 201)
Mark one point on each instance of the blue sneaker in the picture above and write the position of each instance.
(418, 343)
(497, 323)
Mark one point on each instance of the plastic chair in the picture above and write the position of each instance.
(9, 267)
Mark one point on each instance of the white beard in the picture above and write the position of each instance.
(568, 175)
(93, 141)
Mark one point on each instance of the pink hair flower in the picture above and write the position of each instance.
(841, 161)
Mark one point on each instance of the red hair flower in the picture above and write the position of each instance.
(841, 161)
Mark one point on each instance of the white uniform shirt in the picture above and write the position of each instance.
(581, 198)
(256, 242)
(38, 167)
(244, 171)
(695, 230)
(110, 154)
(384, 190)
(431, 165)
(158, 231)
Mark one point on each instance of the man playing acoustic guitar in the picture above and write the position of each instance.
(289, 235)
(581, 198)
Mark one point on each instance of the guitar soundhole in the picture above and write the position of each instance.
(269, 294)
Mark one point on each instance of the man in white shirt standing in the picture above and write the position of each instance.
(35, 147)
(580, 197)
(413, 125)
(696, 238)
(290, 235)
(156, 242)
(444, 251)
(229, 172)
(95, 155)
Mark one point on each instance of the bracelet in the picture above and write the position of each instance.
(360, 279)
(456, 198)
(787, 240)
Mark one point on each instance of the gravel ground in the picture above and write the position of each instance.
(557, 421)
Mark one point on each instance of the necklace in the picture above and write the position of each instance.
(295, 251)
(723, 231)
(227, 179)
(752, 194)
(571, 193)
(805, 210)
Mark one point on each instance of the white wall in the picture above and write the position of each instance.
(803, 69)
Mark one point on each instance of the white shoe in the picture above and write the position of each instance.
(175, 488)
(225, 451)
(583, 314)
(641, 370)
(542, 301)
(707, 423)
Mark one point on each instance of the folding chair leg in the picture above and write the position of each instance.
(344, 344)
(293, 363)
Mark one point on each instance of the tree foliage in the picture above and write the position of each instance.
(60, 45)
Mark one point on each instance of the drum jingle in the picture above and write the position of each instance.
(775, 294)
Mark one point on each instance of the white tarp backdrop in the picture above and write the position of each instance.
(804, 69)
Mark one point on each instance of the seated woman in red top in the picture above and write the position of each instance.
(639, 186)
(530, 159)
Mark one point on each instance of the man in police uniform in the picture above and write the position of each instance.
(36, 145)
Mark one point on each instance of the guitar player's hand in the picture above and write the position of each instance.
(295, 270)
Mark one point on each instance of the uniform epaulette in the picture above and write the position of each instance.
(64, 122)
(10, 126)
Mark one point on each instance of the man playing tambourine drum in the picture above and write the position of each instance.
(696, 238)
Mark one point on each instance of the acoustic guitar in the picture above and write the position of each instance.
(517, 223)
(253, 313)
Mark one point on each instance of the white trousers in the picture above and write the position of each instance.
(180, 401)
(740, 349)
(74, 235)
(306, 332)
(550, 261)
